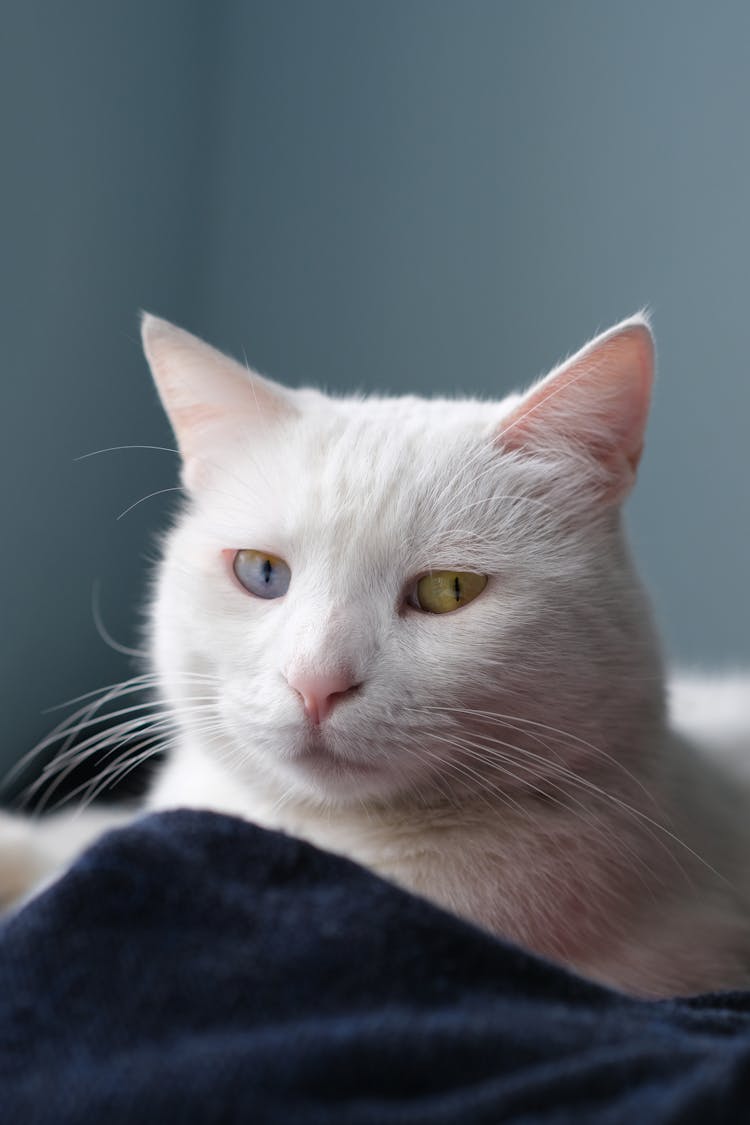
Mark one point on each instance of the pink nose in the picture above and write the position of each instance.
(321, 693)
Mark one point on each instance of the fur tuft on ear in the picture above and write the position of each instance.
(210, 399)
(596, 402)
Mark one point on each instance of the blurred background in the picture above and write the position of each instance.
(362, 194)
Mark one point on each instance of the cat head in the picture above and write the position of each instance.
(376, 597)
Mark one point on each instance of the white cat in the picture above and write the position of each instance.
(410, 631)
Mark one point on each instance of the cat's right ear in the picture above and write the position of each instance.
(211, 400)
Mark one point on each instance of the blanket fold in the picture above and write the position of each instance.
(194, 968)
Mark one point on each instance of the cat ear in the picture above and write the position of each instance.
(597, 402)
(211, 400)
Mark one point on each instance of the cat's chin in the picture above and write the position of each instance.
(319, 759)
(318, 769)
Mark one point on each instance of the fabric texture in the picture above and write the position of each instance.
(193, 968)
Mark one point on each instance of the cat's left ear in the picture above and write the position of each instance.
(211, 400)
(595, 403)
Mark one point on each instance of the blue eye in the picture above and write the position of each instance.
(262, 574)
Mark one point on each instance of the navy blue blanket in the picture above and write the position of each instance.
(193, 968)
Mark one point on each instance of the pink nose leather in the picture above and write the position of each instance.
(321, 693)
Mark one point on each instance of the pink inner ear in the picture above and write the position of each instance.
(193, 417)
(597, 400)
(209, 397)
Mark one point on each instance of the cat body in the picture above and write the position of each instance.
(508, 755)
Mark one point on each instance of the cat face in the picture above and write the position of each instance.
(393, 597)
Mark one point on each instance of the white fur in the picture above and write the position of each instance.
(511, 760)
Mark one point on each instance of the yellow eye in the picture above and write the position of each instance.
(442, 591)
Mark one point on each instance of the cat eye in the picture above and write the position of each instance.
(442, 591)
(264, 575)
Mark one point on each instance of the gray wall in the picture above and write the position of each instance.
(401, 194)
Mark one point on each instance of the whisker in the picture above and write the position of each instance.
(467, 771)
(116, 448)
(106, 636)
(85, 723)
(91, 714)
(146, 679)
(156, 738)
(159, 715)
(149, 496)
(506, 720)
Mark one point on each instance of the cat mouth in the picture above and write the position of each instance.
(318, 756)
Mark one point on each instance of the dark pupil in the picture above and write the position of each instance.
(266, 570)
(457, 588)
